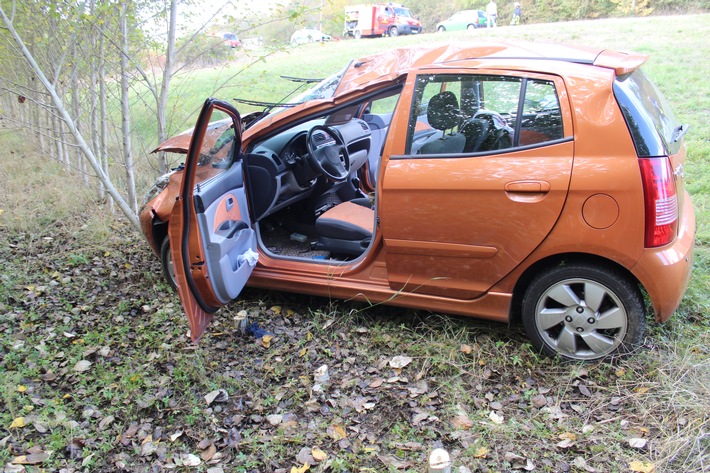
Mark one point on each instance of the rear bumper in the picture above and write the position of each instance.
(665, 272)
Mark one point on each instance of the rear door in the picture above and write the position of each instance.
(211, 240)
(462, 204)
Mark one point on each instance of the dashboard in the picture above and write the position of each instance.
(279, 169)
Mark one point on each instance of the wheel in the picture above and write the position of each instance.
(328, 157)
(394, 32)
(357, 34)
(441, 29)
(583, 312)
(166, 262)
(471, 27)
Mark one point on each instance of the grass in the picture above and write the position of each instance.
(76, 284)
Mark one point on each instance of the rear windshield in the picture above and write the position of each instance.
(647, 115)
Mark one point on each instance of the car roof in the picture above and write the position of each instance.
(396, 62)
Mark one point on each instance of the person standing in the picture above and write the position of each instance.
(491, 14)
(516, 15)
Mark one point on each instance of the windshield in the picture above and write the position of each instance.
(403, 12)
(322, 90)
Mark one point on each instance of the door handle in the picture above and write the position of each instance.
(528, 187)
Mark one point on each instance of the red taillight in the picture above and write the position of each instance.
(660, 200)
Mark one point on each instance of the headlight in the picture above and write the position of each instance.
(160, 184)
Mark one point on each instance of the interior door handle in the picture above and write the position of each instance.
(528, 187)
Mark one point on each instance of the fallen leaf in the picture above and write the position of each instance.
(394, 462)
(105, 422)
(318, 454)
(480, 452)
(461, 422)
(176, 435)
(566, 443)
(376, 383)
(637, 443)
(302, 469)
(266, 341)
(32, 458)
(495, 418)
(336, 432)
(466, 349)
(82, 366)
(518, 462)
(21, 388)
(276, 309)
(208, 453)
(642, 467)
(400, 361)
(19, 422)
(218, 395)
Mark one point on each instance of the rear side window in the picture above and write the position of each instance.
(647, 115)
(469, 113)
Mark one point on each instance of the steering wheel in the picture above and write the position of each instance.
(332, 159)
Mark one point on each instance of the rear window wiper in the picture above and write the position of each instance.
(678, 132)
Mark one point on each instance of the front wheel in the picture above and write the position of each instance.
(357, 34)
(471, 27)
(583, 312)
(166, 262)
(394, 32)
(441, 29)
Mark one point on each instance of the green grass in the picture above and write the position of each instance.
(77, 284)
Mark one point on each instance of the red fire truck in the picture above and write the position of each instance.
(380, 19)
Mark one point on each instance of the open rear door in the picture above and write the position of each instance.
(211, 240)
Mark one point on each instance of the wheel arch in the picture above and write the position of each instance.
(559, 259)
(160, 231)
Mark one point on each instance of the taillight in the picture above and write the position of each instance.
(660, 200)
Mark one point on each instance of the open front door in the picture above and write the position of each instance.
(211, 240)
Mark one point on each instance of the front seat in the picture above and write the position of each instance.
(443, 114)
(347, 228)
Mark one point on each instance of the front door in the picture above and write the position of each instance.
(212, 243)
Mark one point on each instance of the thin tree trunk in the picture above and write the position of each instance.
(165, 86)
(125, 113)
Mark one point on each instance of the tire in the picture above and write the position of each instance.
(166, 262)
(394, 32)
(583, 312)
(471, 27)
(441, 29)
(357, 34)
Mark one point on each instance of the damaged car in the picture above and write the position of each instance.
(504, 181)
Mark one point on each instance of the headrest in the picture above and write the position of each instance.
(443, 111)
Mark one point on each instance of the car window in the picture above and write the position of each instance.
(469, 113)
(647, 115)
(219, 148)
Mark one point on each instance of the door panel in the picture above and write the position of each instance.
(455, 226)
(211, 240)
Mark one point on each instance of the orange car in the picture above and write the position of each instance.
(492, 180)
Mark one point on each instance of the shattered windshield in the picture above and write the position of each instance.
(322, 90)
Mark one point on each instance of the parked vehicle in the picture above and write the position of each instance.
(309, 35)
(232, 40)
(463, 20)
(493, 180)
(381, 19)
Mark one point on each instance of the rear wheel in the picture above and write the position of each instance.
(583, 312)
(166, 262)
(394, 32)
(441, 29)
(471, 27)
(357, 34)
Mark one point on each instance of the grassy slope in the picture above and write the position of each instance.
(85, 288)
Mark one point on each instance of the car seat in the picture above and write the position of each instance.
(443, 114)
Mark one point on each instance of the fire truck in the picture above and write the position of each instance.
(380, 19)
